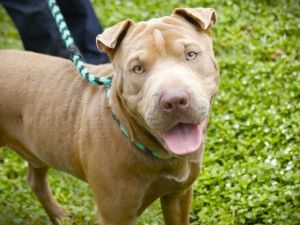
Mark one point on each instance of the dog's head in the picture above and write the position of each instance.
(165, 75)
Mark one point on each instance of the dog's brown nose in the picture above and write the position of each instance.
(174, 100)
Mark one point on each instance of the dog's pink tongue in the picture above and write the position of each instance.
(183, 138)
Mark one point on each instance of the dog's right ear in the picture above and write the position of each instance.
(112, 36)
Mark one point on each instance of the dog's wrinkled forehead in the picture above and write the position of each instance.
(159, 35)
(182, 23)
(152, 39)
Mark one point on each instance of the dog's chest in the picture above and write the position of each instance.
(182, 177)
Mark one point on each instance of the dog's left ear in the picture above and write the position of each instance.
(204, 17)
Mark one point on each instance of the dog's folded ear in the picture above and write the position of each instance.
(203, 17)
(112, 36)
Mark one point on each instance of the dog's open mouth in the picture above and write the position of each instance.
(183, 138)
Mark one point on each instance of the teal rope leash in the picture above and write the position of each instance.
(138, 145)
(75, 54)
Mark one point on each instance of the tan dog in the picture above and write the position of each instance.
(164, 78)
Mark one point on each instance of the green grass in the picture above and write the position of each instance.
(251, 169)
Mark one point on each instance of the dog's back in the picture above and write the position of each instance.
(37, 93)
(32, 87)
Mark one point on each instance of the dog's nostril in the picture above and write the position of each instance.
(165, 104)
(168, 106)
(183, 102)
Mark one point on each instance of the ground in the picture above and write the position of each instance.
(251, 169)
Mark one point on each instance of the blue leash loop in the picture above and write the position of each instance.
(75, 54)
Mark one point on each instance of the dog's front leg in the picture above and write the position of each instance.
(37, 178)
(176, 207)
(119, 201)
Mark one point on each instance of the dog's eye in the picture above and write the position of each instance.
(138, 69)
(191, 55)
